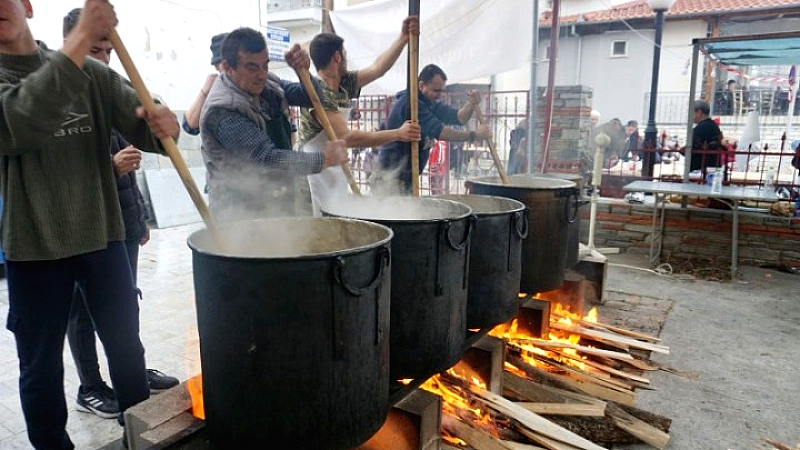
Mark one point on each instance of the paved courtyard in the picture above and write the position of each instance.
(734, 365)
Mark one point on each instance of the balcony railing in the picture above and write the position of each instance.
(290, 5)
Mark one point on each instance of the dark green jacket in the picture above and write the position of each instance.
(56, 179)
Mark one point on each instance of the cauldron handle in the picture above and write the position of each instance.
(573, 205)
(338, 274)
(460, 246)
(384, 255)
(520, 226)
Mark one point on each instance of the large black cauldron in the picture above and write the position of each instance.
(574, 227)
(294, 332)
(429, 278)
(495, 258)
(552, 205)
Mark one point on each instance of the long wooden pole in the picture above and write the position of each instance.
(168, 142)
(493, 150)
(322, 117)
(413, 95)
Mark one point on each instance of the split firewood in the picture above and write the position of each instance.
(521, 446)
(532, 421)
(611, 328)
(626, 398)
(581, 348)
(642, 430)
(550, 444)
(610, 337)
(532, 391)
(475, 437)
(565, 409)
(597, 378)
(603, 367)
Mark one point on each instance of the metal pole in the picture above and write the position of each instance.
(651, 133)
(532, 94)
(551, 83)
(690, 114)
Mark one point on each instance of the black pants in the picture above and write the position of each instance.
(40, 296)
(80, 331)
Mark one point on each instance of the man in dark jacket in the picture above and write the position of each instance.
(94, 395)
(706, 137)
(434, 117)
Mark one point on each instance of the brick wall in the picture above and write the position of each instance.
(569, 133)
(696, 233)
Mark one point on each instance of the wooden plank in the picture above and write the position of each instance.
(611, 337)
(532, 421)
(565, 409)
(642, 430)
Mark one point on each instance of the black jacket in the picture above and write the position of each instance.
(130, 198)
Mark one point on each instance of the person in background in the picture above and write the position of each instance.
(246, 136)
(191, 119)
(706, 136)
(341, 87)
(94, 395)
(517, 156)
(434, 118)
(633, 143)
(57, 110)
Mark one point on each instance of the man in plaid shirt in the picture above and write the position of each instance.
(252, 170)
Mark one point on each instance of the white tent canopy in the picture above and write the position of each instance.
(468, 39)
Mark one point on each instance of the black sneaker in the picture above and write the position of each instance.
(100, 401)
(159, 381)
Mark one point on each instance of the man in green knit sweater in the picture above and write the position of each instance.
(61, 221)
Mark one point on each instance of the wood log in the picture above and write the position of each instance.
(565, 409)
(607, 336)
(626, 398)
(604, 431)
(532, 421)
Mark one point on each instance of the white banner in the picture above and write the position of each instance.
(468, 39)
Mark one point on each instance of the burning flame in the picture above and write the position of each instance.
(456, 401)
(527, 344)
(195, 388)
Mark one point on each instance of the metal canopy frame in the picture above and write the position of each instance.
(748, 50)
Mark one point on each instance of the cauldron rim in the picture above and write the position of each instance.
(214, 253)
(381, 220)
(547, 183)
(518, 205)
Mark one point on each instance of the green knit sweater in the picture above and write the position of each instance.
(56, 179)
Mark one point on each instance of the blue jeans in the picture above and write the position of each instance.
(40, 296)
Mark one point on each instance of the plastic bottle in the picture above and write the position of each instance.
(769, 182)
(716, 182)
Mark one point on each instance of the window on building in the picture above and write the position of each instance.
(619, 49)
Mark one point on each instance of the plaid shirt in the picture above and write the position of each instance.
(242, 137)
